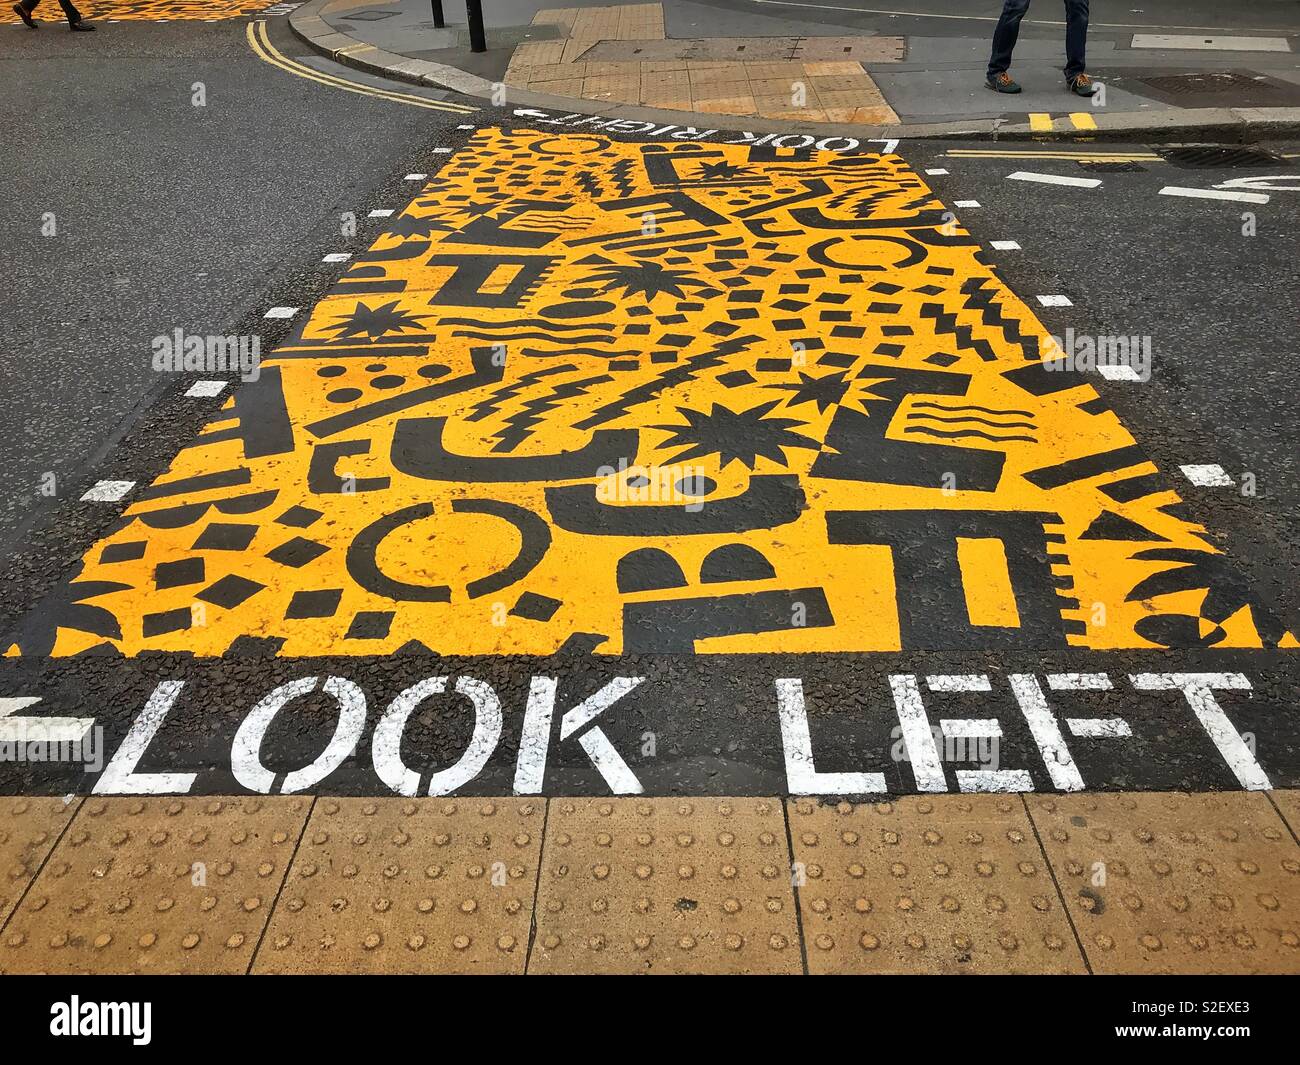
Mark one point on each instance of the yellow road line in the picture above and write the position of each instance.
(265, 50)
(1085, 156)
(1083, 120)
(1041, 122)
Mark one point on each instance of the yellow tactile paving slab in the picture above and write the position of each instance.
(665, 886)
(1176, 883)
(936, 885)
(144, 10)
(1288, 802)
(664, 397)
(29, 827)
(158, 885)
(392, 885)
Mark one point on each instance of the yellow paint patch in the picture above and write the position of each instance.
(145, 10)
(990, 599)
(656, 397)
(1040, 121)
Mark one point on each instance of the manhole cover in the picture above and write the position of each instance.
(1213, 87)
(1211, 156)
(1110, 166)
(369, 16)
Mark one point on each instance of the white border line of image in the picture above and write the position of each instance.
(1213, 194)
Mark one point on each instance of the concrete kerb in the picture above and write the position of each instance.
(1233, 125)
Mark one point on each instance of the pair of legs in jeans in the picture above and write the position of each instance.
(28, 6)
(1076, 36)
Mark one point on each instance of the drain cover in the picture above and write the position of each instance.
(1212, 87)
(369, 16)
(1212, 156)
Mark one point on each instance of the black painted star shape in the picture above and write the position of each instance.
(375, 322)
(410, 226)
(735, 436)
(824, 391)
(720, 171)
(649, 278)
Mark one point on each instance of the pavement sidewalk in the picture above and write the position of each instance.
(1152, 883)
(706, 64)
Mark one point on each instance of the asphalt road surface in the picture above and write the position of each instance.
(856, 524)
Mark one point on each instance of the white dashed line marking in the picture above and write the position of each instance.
(337, 257)
(416, 177)
(1096, 728)
(1214, 194)
(1054, 301)
(1118, 373)
(442, 151)
(281, 312)
(108, 491)
(1004, 245)
(465, 127)
(1207, 475)
(966, 203)
(206, 389)
(937, 170)
(1054, 179)
(381, 213)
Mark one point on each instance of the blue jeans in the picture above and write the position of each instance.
(1076, 35)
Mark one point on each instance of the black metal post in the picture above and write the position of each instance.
(474, 16)
(438, 21)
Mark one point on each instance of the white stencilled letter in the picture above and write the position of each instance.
(119, 776)
(801, 773)
(1199, 688)
(534, 742)
(245, 751)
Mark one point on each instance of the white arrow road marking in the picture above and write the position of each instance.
(44, 729)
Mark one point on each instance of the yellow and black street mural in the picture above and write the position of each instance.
(147, 10)
(585, 395)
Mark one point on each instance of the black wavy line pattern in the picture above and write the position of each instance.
(541, 322)
(975, 418)
(967, 432)
(983, 410)
(498, 338)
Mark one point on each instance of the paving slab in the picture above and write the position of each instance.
(1165, 883)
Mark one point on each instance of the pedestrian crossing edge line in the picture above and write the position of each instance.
(265, 50)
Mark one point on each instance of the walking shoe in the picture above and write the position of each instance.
(26, 16)
(81, 25)
(1002, 83)
(1081, 85)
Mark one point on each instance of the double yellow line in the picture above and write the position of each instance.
(261, 44)
(1048, 153)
